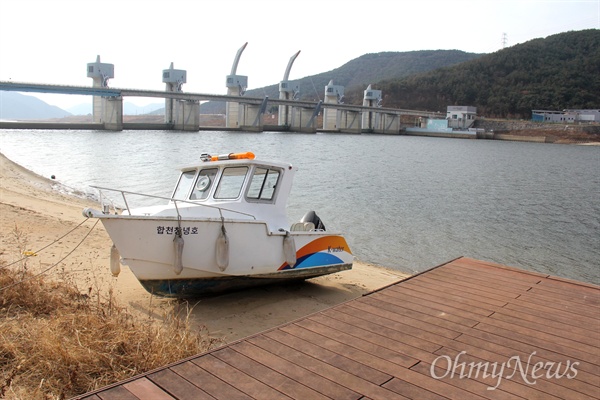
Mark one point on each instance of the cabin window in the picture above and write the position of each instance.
(263, 184)
(203, 184)
(183, 186)
(231, 183)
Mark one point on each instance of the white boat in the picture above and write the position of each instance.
(224, 228)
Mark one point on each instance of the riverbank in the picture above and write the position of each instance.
(36, 212)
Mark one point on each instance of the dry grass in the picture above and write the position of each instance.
(57, 342)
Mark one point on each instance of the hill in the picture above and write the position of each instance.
(555, 73)
(360, 72)
(14, 105)
(129, 108)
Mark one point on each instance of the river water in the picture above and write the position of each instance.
(407, 203)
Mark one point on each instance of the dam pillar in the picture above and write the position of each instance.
(389, 123)
(334, 94)
(370, 118)
(187, 115)
(100, 73)
(350, 121)
(304, 118)
(113, 113)
(236, 86)
(251, 116)
(173, 80)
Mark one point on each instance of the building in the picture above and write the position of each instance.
(461, 117)
(565, 116)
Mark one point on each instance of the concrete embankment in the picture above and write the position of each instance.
(528, 131)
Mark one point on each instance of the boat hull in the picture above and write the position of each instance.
(255, 255)
(196, 288)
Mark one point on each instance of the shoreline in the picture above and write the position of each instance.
(36, 212)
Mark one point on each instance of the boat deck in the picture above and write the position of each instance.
(456, 331)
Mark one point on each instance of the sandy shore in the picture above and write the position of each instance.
(36, 212)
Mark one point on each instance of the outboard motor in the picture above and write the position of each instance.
(312, 216)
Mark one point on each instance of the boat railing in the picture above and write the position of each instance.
(175, 201)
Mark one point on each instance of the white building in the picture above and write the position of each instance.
(461, 117)
(565, 116)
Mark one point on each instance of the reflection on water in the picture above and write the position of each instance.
(408, 203)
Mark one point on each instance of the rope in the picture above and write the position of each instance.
(45, 247)
(55, 264)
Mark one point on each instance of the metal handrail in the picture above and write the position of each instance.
(175, 201)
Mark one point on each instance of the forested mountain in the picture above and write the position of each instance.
(559, 72)
(371, 68)
(359, 73)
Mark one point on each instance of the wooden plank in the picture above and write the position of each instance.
(326, 387)
(520, 372)
(116, 393)
(177, 386)
(403, 388)
(477, 281)
(438, 300)
(509, 390)
(453, 291)
(468, 287)
(414, 336)
(358, 348)
(268, 376)
(434, 310)
(429, 333)
(540, 290)
(344, 363)
(406, 312)
(456, 298)
(487, 350)
(430, 384)
(544, 336)
(381, 315)
(490, 387)
(95, 397)
(208, 382)
(558, 305)
(576, 288)
(486, 339)
(145, 389)
(590, 338)
(536, 343)
(552, 315)
(237, 378)
(497, 272)
(353, 382)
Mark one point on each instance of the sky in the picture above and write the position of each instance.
(52, 41)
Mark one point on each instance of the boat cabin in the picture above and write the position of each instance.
(240, 184)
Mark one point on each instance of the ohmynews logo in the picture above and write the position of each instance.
(529, 372)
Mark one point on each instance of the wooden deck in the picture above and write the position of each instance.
(428, 337)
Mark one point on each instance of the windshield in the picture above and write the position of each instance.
(263, 184)
(203, 184)
(183, 186)
(231, 183)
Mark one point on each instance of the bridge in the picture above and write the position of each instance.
(242, 112)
